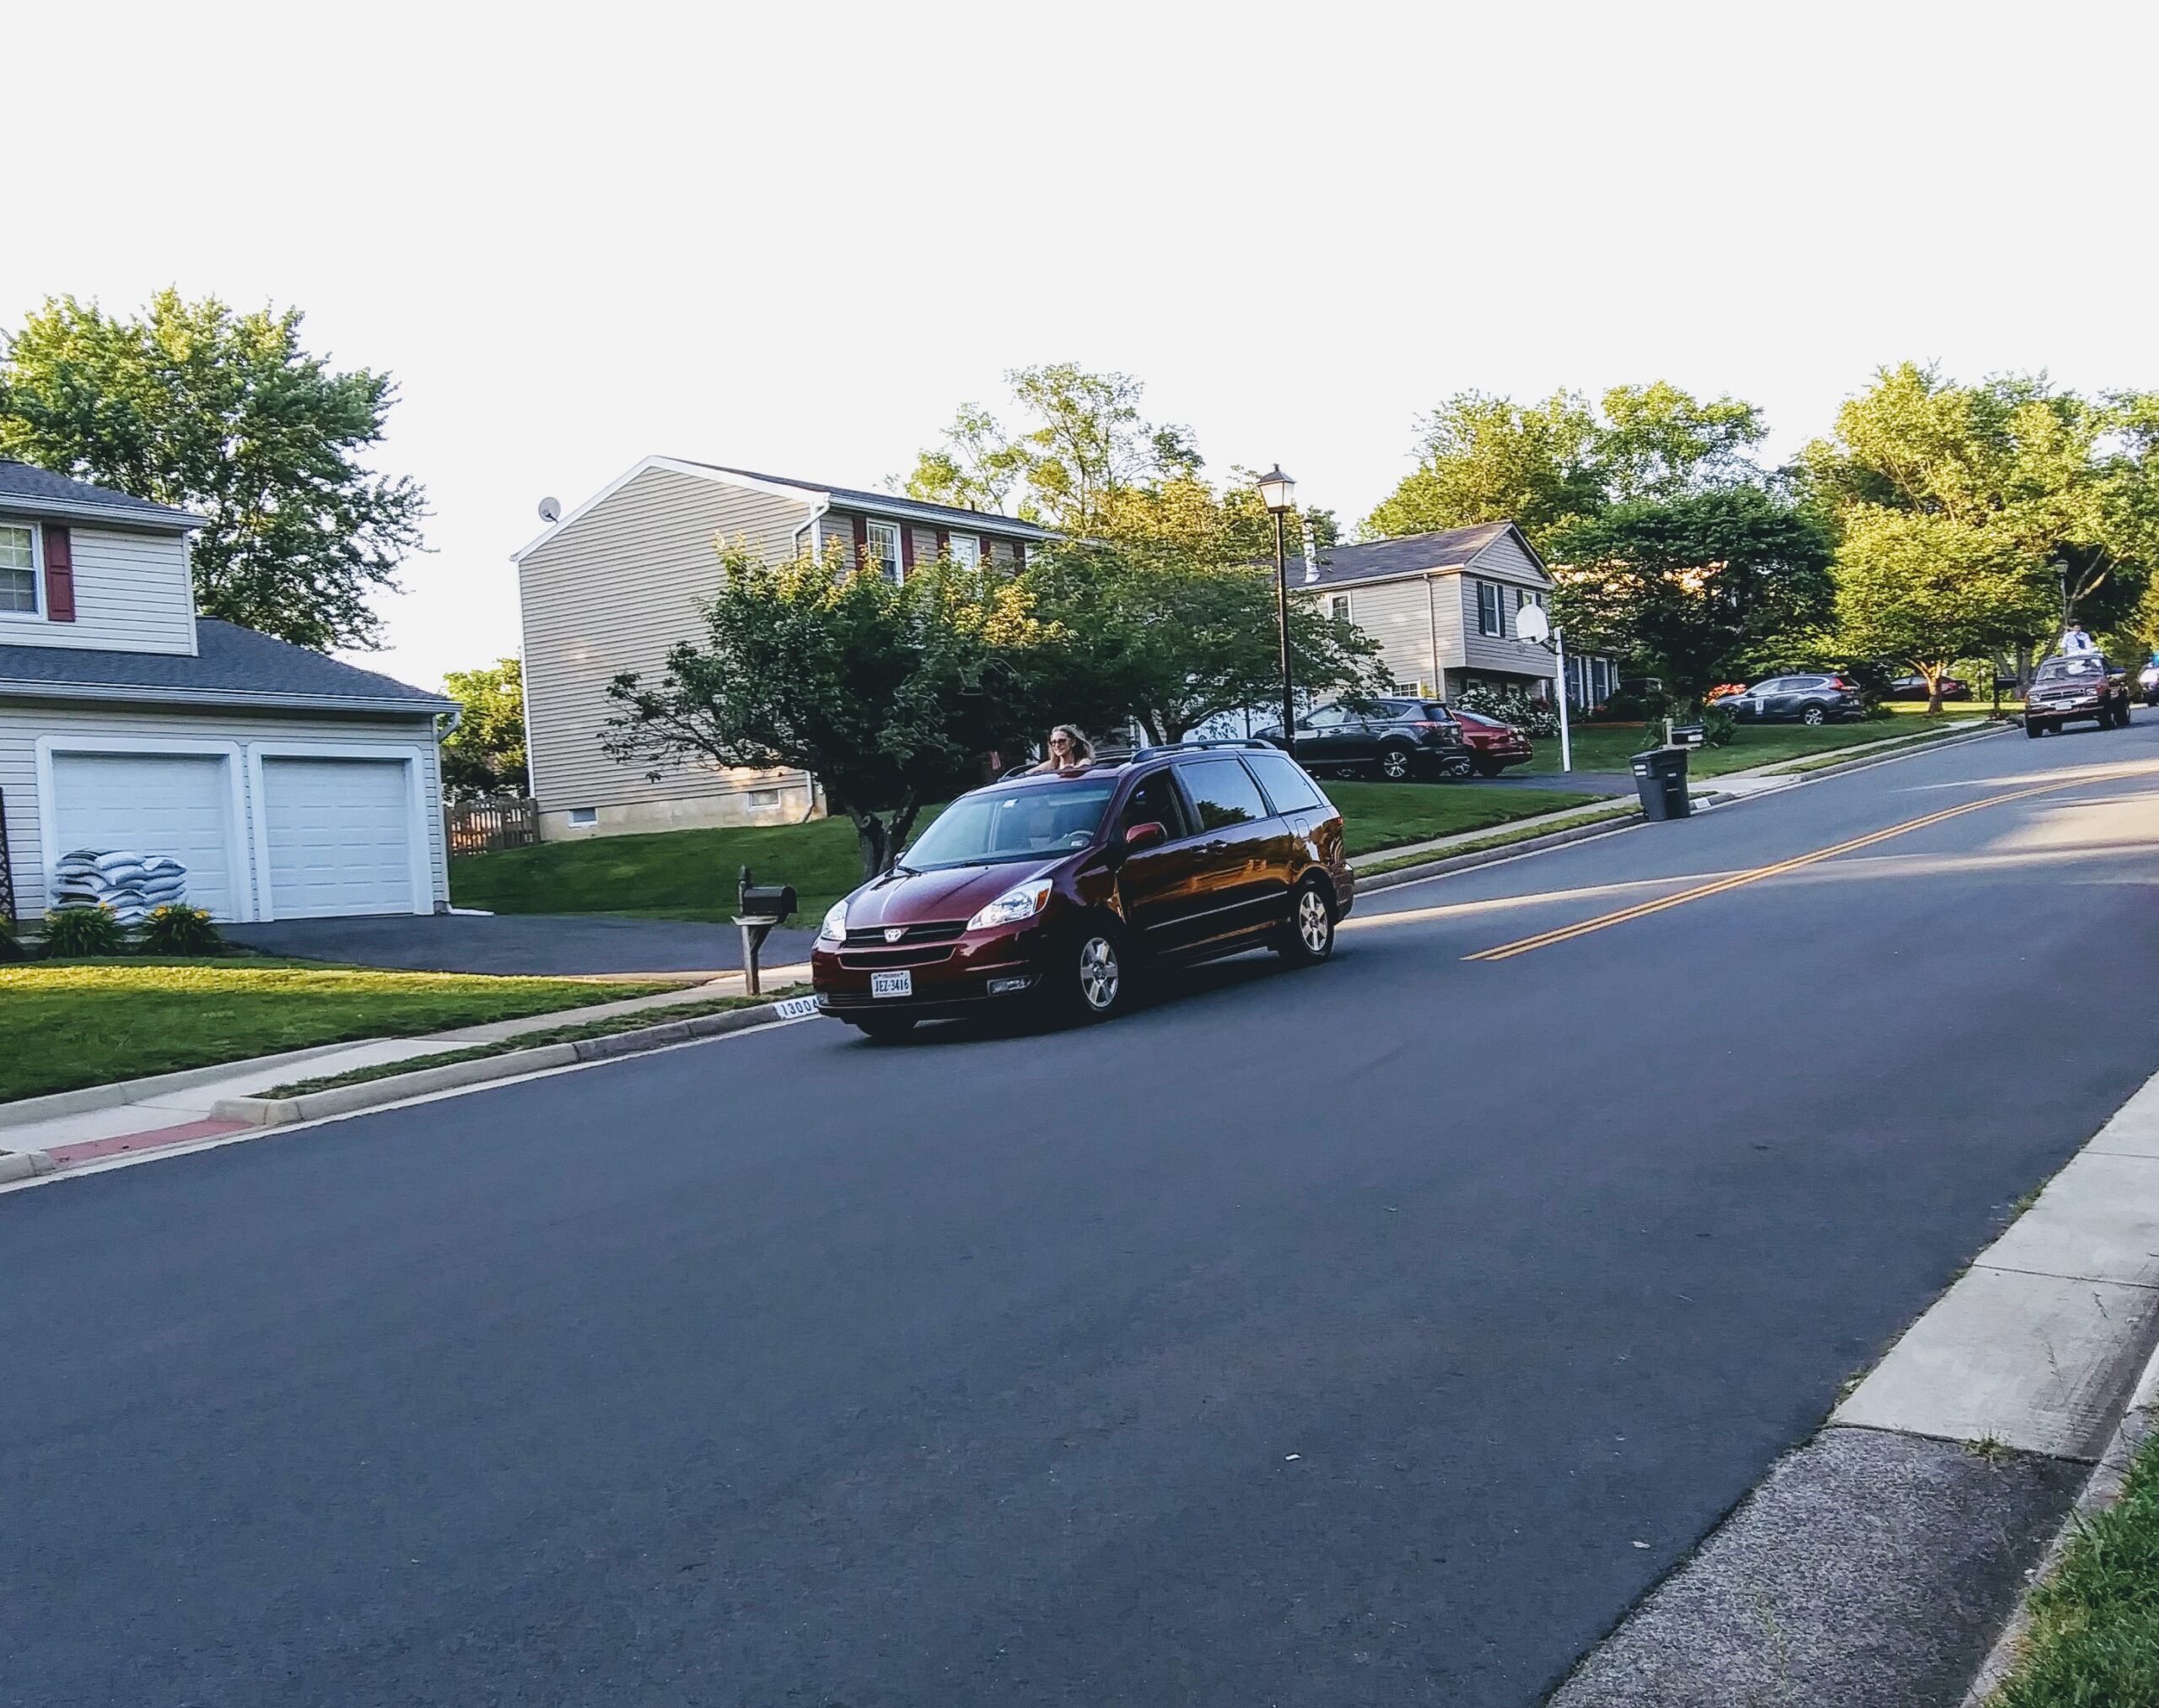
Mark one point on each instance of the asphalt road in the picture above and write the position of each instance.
(1374, 1334)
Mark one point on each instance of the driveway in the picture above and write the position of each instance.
(546, 944)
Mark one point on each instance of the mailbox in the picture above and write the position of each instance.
(1689, 734)
(765, 901)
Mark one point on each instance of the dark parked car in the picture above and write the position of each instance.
(2077, 686)
(1914, 689)
(1396, 739)
(1061, 891)
(1803, 699)
(1494, 743)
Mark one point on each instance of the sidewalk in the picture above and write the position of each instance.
(96, 1121)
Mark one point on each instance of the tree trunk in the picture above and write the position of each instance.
(873, 841)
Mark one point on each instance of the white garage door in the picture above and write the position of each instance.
(340, 837)
(178, 804)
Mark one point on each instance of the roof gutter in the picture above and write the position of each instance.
(160, 520)
(817, 514)
(19, 688)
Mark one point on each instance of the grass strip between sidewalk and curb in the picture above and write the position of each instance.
(535, 1040)
(1525, 833)
(1889, 750)
(73, 1024)
(2094, 1632)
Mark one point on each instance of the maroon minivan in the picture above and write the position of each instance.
(1060, 890)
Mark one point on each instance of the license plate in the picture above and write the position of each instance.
(892, 984)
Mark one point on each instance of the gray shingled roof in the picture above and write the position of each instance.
(1449, 548)
(891, 504)
(39, 492)
(234, 663)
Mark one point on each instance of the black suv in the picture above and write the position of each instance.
(2074, 687)
(1396, 739)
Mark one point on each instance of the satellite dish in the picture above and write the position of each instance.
(551, 509)
(1531, 622)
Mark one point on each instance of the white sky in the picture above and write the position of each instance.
(794, 237)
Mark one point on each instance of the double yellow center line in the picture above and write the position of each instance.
(1545, 939)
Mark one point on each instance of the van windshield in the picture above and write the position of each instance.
(1014, 824)
(2080, 665)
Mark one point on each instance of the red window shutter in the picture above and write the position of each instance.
(861, 540)
(944, 541)
(983, 541)
(1019, 555)
(906, 548)
(59, 574)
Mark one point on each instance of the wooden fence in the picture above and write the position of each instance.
(481, 827)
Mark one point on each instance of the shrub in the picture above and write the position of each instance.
(1531, 717)
(1719, 726)
(1623, 708)
(177, 928)
(83, 931)
(10, 948)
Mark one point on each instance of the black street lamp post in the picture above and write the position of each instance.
(1277, 491)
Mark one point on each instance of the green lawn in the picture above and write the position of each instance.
(2094, 1638)
(89, 1023)
(1603, 749)
(690, 874)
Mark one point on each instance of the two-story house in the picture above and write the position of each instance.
(612, 584)
(1443, 608)
(288, 784)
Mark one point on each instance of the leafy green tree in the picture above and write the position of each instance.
(2023, 508)
(1925, 590)
(485, 753)
(1698, 586)
(1547, 466)
(1177, 623)
(1083, 445)
(889, 695)
(1658, 441)
(227, 415)
(1484, 459)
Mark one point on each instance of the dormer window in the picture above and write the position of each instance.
(18, 569)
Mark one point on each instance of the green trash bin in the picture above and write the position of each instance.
(1660, 780)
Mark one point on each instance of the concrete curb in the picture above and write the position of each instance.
(2100, 1491)
(26, 1111)
(21, 1165)
(396, 1088)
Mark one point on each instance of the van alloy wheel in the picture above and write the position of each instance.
(1308, 938)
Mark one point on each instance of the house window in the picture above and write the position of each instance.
(18, 568)
(585, 815)
(1338, 606)
(1491, 613)
(965, 550)
(882, 543)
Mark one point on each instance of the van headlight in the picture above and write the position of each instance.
(835, 925)
(1013, 906)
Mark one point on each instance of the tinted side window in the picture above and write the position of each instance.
(1222, 793)
(1287, 785)
(1155, 800)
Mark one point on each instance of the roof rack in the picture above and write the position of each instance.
(1245, 742)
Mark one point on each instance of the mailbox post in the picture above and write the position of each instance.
(760, 907)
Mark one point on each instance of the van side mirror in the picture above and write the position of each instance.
(1146, 835)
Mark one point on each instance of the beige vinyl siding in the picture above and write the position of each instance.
(131, 594)
(22, 722)
(1506, 560)
(1502, 653)
(1394, 614)
(612, 592)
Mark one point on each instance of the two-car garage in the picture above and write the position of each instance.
(267, 831)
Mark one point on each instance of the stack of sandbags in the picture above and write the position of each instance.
(130, 884)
